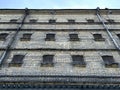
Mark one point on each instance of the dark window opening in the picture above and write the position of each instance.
(110, 20)
(71, 21)
(98, 37)
(33, 20)
(3, 36)
(50, 37)
(47, 61)
(52, 21)
(90, 20)
(26, 37)
(118, 36)
(17, 61)
(78, 60)
(109, 61)
(73, 37)
(13, 20)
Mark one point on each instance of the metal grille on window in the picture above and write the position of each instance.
(13, 20)
(47, 60)
(110, 20)
(73, 37)
(17, 61)
(52, 21)
(3, 36)
(109, 61)
(32, 20)
(71, 21)
(26, 37)
(98, 37)
(90, 20)
(78, 61)
(50, 37)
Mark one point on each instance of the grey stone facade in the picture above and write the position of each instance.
(62, 48)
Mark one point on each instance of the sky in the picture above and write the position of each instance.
(59, 4)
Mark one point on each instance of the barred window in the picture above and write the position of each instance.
(71, 21)
(32, 20)
(73, 37)
(78, 60)
(26, 37)
(47, 60)
(109, 61)
(98, 37)
(13, 20)
(50, 37)
(90, 20)
(17, 61)
(110, 20)
(3, 36)
(52, 21)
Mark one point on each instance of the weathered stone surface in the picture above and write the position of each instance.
(62, 48)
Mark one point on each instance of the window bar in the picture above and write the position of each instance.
(7, 50)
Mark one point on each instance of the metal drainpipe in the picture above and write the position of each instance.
(5, 53)
(107, 30)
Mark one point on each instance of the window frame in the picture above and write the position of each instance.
(13, 20)
(47, 61)
(33, 20)
(71, 21)
(78, 61)
(90, 21)
(3, 36)
(26, 37)
(98, 37)
(109, 61)
(52, 21)
(18, 62)
(111, 20)
(118, 35)
(73, 37)
(50, 37)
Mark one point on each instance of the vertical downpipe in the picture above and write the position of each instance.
(7, 50)
(106, 28)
